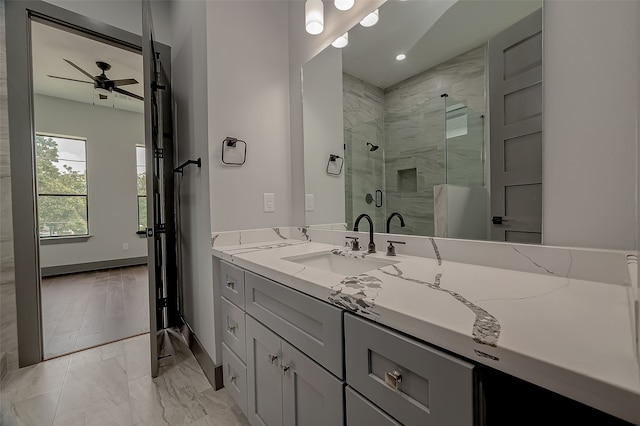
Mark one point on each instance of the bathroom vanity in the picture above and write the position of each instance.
(314, 333)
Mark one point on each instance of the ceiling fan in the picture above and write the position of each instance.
(102, 83)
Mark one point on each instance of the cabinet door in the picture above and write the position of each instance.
(264, 376)
(311, 395)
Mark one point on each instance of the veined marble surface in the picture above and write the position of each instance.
(111, 385)
(570, 335)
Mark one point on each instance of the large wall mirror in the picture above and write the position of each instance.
(433, 113)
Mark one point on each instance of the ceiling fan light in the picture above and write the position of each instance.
(103, 91)
(314, 16)
(371, 19)
(343, 4)
(341, 41)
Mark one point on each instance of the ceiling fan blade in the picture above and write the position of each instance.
(124, 92)
(79, 69)
(70, 79)
(124, 82)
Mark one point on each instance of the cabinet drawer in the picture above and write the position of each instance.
(234, 328)
(235, 377)
(232, 283)
(433, 388)
(313, 326)
(361, 412)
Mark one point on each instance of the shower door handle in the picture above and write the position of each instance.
(378, 198)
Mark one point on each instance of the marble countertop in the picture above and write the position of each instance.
(572, 336)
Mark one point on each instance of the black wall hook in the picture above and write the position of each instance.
(180, 168)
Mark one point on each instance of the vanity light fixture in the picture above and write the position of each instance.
(401, 57)
(314, 16)
(343, 4)
(371, 19)
(341, 41)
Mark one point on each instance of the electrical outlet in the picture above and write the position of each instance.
(309, 202)
(125, 246)
(269, 202)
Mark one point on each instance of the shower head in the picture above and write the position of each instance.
(373, 147)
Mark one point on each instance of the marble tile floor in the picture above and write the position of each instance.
(111, 385)
(86, 309)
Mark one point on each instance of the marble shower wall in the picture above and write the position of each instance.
(363, 106)
(8, 325)
(415, 137)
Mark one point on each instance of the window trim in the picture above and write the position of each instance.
(74, 237)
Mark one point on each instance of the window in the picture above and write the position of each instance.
(61, 164)
(141, 171)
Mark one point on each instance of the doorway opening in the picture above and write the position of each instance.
(90, 173)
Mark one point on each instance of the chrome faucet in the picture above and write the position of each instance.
(391, 217)
(372, 247)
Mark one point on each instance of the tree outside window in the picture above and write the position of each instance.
(61, 168)
(141, 171)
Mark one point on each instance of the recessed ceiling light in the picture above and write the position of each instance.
(371, 19)
(401, 57)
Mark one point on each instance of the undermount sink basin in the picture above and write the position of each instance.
(339, 264)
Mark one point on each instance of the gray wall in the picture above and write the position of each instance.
(248, 79)
(323, 136)
(189, 73)
(590, 113)
(8, 328)
(112, 136)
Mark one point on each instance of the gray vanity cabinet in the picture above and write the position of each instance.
(413, 382)
(313, 326)
(285, 386)
(234, 354)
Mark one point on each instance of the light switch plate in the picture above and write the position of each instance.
(269, 202)
(309, 202)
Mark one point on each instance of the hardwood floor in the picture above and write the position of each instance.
(92, 308)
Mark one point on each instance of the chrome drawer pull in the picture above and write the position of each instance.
(231, 285)
(233, 378)
(232, 329)
(272, 358)
(393, 379)
(285, 368)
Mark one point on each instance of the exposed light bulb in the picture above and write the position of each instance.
(401, 57)
(314, 16)
(371, 19)
(341, 41)
(343, 4)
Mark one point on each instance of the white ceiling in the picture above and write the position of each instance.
(51, 45)
(429, 32)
